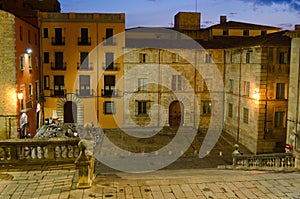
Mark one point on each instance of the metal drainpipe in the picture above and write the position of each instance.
(266, 94)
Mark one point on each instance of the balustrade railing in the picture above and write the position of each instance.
(270, 161)
(39, 151)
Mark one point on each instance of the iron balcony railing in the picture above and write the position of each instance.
(84, 41)
(60, 66)
(58, 41)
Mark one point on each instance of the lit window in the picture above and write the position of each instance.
(206, 107)
(30, 88)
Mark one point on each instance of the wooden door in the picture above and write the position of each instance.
(176, 113)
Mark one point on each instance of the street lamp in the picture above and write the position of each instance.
(28, 50)
(256, 95)
(20, 97)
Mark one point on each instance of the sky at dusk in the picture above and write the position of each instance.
(148, 13)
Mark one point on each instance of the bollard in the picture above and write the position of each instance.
(84, 165)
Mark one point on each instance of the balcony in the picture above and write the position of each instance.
(59, 66)
(84, 66)
(85, 92)
(111, 67)
(58, 91)
(58, 41)
(84, 41)
(110, 93)
(109, 41)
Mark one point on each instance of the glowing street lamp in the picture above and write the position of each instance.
(256, 95)
(20, 95)
(28, 50)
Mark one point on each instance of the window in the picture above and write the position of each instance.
(21, 33)
(142, 107)
(177, 83)
(109, 32)
(59, 85)
(246, 33)
(263, 32)
(280, 91)
(30, 89)
(29, 62)
(248, 56)
(84, 85)
(28, 36)
(46, 82)
(46, 57)
(84, 37)
(46, 34)
(246, 115)
(37, 90)
(109, 107)
(109, 61)
(175, 58)
(230, 110)
(109, 85)
(207, 58)
(22, 62)
(142, 84)
(142, 58)
(283, 57)
(58, 39)
(59, 61)
(246, 88)
(84, 60)
(225, 32)
(206, 107)
(231, 85)
(232, 58)
(279, 119)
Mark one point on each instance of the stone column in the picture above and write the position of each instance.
(293, 117)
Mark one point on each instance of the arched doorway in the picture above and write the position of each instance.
(176, 113)
(70, 112)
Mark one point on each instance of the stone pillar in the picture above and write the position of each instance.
(85, 167)
(293, 117)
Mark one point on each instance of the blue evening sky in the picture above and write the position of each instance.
(280, 13)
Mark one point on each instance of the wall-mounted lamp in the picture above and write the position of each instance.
(28, 50)
(20, 95)
(256, 95)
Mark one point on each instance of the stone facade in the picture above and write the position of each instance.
(8, 105)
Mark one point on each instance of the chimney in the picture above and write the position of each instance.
(223, 19)
(297, 27)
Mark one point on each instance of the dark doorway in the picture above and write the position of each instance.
(176, 113)
(70, 112)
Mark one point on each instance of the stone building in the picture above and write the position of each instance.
(20, 84)
(82, 66)
(256, 82)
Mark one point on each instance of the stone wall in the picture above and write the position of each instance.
(8, 100)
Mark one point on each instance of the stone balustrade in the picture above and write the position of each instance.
(264, 161)
(39, 151)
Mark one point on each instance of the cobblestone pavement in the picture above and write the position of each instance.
(168, 184)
